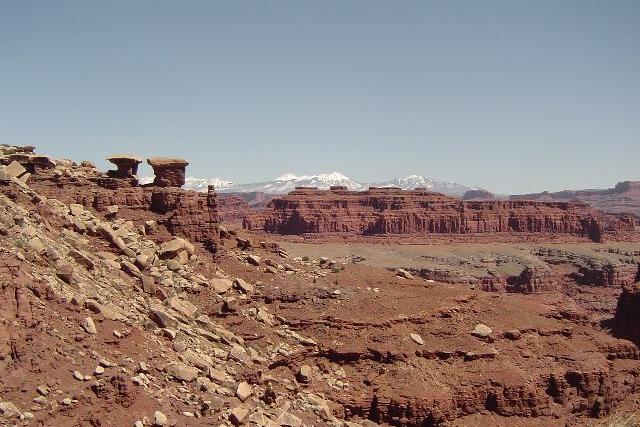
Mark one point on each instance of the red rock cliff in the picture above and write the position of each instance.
(394, 211)
(232, 209)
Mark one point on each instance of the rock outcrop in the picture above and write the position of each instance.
(127, 165)
(533, 279)
(108, 318)
(626, 323)
(189, 214)
(169, 172)
(624, 198)
(388, 211)
(233, 209)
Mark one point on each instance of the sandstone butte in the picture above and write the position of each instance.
(391, 211)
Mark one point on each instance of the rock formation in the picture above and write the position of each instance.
(533, 279)
(184, 213)
(169, 172)
(386, 211)
(478, 195)
(233, 209)
(127, 165)
(107, 318)
(624, 198)
(626, 323)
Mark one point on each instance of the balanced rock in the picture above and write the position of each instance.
(127, 165)
(169, 172)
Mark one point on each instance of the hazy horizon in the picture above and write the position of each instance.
(514, 97)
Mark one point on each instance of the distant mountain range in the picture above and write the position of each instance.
(624, 198)
(288, 182)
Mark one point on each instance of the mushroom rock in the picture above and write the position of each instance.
(169, 172)
(127, 165)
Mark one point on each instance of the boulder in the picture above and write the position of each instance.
(221, 286)
(181, 371)
(89, 326)
(243, 285)
(243, 391)
(404, 274)
(481, 331)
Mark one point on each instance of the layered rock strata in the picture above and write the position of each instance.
(189, 214)
(388, 211)
(169, 172)
(233, 209)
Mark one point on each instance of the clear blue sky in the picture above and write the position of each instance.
(513, 96)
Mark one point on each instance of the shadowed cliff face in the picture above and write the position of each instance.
(394, 211)
(626, 323)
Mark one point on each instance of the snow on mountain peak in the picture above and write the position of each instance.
(289, 181)
(287, 177)
(334, 176)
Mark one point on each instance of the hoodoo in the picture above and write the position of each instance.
(169, 172)
(184, 213)
(127, 165)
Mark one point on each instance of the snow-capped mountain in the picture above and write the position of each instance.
(201, 184)
(419, 181)
(281, 185)
(289, 181)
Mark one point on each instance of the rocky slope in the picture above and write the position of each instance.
(126, 305)
(394, 211)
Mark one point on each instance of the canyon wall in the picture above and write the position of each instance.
(232, 209)
(385, 211)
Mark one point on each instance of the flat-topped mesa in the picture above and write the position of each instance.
(127, 165)
(391, 211)
(169, 172)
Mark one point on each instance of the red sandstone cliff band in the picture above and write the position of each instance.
(386, 211)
